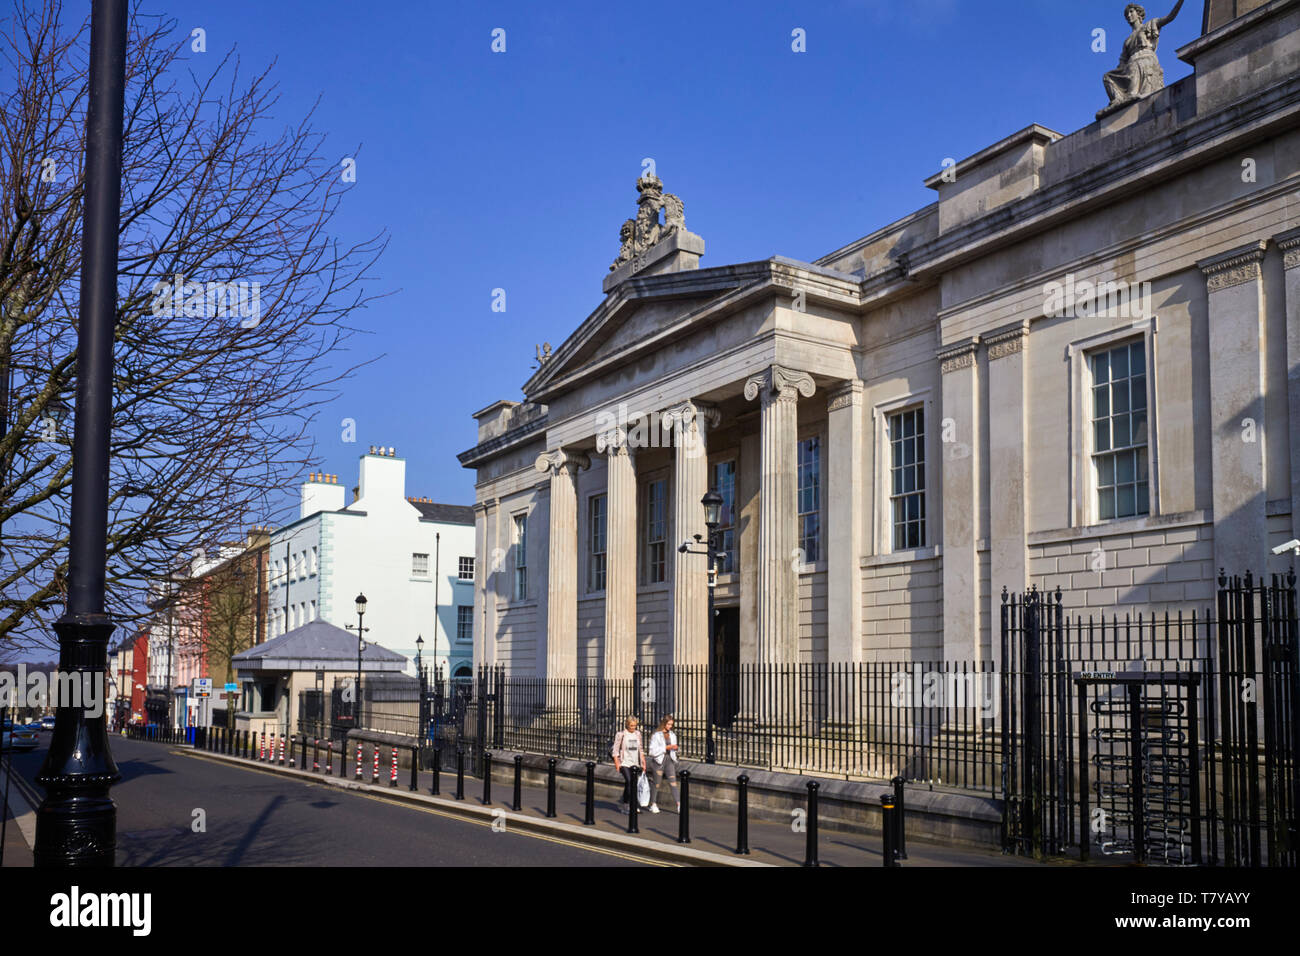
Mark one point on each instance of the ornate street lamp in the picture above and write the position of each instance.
(712, 502)
(361, 646)
(419, 673)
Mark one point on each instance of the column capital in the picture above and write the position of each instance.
(612, 441)
(958, 356)
(690, 411)
(1006, 341)
(845, 395)
(1289, 243)
(558, 460)
(778, 383)
(1234, 267)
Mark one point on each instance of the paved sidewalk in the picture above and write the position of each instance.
(777, 844)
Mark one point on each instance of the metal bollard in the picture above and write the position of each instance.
(742, 815)
(487, 777)
(550, 787)
(315, 755)
(460, 774)
(329, 757)
(900, 829)
(374, 763)
(437, 770)
(415, 769)
(810, 856)
(888, 854)
(358, 760)
(589, 818)
(282, 746)
(261, 746)
(292, 742)
(684, 816)
(392, 776)
(518, 803)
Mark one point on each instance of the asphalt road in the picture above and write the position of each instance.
(254, 818)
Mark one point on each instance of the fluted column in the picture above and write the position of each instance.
(620, 560)
(1289, 243)
(961, 502)
(562, 563)
(690, 423)
(778, 389)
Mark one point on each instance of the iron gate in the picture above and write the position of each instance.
(1171, 740)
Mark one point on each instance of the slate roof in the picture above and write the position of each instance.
(445, 514)
(315, 646)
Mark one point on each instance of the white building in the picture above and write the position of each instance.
(412, 558)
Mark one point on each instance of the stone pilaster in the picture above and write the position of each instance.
(485, 584)
(620, 557)
(961, 502)
(1008, 562)
(778, 390)
(562, 563)
(1235, 292)
(690, 424)
(1289, 243)
(846, 438)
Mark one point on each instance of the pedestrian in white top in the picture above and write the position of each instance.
(663, 763)
(628, 753)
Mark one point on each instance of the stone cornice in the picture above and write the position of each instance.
(777, 383)
(959, 356)
(1234, 267)
(553, 462)
(1289, 243)
(846, 395)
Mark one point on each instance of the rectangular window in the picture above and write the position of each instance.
(907, 478)
(1119, 430)
(313, 611)
(723, 481)
(420, 565)
(465, 571)
(810, 498)
(465, 622)
(521, 557)
(313, 559)
(596, 543)
(655, 533)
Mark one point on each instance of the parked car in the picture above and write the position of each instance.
(17, 738)
(48, 721)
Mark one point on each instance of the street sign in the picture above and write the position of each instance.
(203, 687)
(231, 687)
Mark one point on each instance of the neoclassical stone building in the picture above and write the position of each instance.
(1079, 367)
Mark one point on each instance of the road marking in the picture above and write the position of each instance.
(441, 813)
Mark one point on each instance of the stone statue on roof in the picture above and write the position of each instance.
(1139, 73)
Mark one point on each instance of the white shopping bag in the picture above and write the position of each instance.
(643, 791)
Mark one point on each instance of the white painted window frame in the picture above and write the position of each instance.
(882, 514)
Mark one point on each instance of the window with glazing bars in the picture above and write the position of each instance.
(907, 478)
(1119, 430)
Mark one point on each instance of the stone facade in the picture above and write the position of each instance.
(1079, 367)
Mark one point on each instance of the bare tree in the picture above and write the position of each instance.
(234, 302)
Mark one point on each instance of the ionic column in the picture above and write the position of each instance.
(690, 423)
(961, 503)
(1235, 291)
(620, 555)
(562, 562)
(1289, 243)
(778, 389)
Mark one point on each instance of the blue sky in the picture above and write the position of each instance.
(514, 170)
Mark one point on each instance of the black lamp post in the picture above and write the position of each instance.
(419, 673)
(361, 646)
(712, 502)
(76, 824)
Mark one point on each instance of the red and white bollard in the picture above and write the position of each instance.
(271, 749)
(329, 757)
(315, 753)
(392, 780)
(358, 761)
(374, 773)
(261, 746)
(282, 747)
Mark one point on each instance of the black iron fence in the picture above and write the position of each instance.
(1171, 739)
